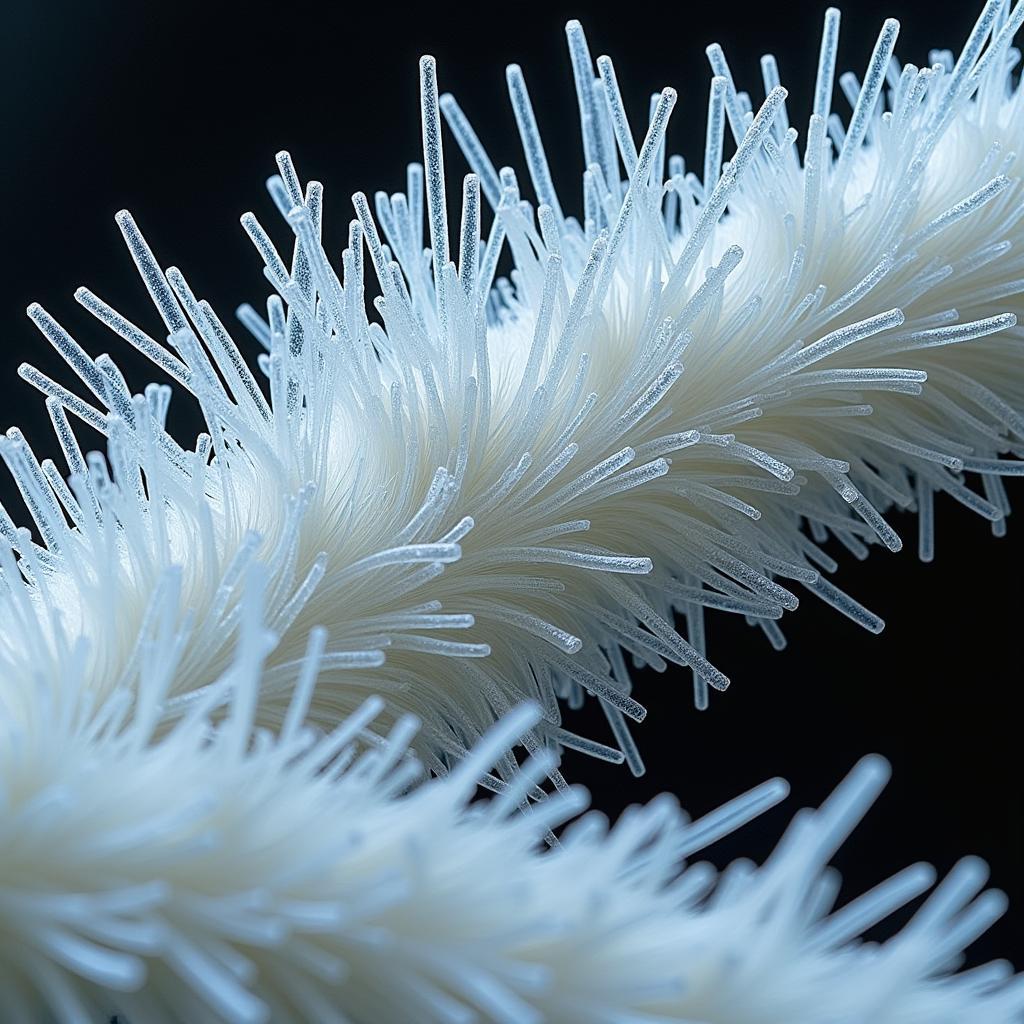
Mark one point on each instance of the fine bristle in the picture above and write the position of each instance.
(192, 876)
(481, 493)
(842, 322)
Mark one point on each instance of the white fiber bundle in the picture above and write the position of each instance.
(197, 877)
(435, 523)
(501, 490)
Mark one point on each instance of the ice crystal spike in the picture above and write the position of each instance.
(187, 875)
(839, 319)
(436, 521)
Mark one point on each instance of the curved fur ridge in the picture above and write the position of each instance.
(195, 876)
(496, 491)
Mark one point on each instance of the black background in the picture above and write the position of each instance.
(176, 111)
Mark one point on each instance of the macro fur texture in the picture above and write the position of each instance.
(478, 499)
(217, 874)
(490, 494)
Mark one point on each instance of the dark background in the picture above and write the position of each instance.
(176, 111)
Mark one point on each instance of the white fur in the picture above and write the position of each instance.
(490, 495)
(195, 878)
(836, 344)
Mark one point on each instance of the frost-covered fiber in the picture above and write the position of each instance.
(196, 877)
(410, 535)
(489, 492)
